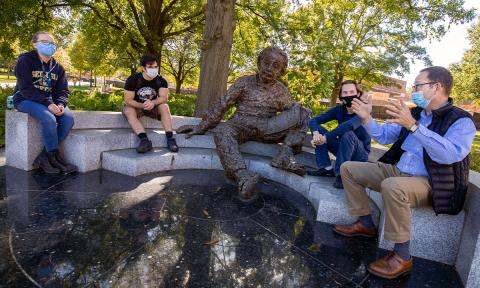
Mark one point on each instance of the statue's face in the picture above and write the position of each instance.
(270, 67)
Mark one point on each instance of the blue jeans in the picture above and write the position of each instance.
(347, 148)
(54, 128)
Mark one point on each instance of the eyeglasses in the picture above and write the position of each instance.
(416, 86)
(47, 42)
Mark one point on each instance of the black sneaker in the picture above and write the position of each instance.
(144, 146)
(172, 145)
(321, 172)
(338, 182)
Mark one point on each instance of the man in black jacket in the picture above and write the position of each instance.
(427, 164)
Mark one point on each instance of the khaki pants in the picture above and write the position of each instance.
(400, 193)
(154, 113)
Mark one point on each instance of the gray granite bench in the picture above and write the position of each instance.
(103, 139)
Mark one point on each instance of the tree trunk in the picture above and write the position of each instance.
(334, 95)
(178, 85)
(91, 78)
(336, 88)
(216, 48)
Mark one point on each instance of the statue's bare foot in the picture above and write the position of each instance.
(288, 164)
(247, 185)
(185, 129)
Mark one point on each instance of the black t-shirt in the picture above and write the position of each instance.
(144, 89)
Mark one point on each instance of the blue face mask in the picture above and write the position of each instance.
(419, 99)
(46, 49)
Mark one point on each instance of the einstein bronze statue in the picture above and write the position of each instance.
(265, 112)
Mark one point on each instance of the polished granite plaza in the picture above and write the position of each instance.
(182, 228)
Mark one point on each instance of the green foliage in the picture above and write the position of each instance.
(475, 158)
(466, 74)
(128, 28)
(180, 104)
(181, 58)
(333, 40)
(96, 101)
(258, 25)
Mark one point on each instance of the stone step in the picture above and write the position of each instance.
(115, 120)
(85, 146)
(24, 143)
(129, 162)
(98, 131)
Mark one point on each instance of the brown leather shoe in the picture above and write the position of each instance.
(390, 266)
(355, 229)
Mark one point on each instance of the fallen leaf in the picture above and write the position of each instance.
(205, 212)
(211, 242)
(315, 247)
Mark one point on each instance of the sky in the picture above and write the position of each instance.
(449, 49)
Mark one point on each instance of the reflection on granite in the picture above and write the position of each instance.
(182, 228)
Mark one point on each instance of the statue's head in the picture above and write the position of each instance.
(272, 63)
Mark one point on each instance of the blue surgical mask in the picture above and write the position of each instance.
(419, 99)
(46, 49)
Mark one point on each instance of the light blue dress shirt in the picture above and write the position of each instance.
(452, 147)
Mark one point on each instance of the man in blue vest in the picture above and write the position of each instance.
(428, 163)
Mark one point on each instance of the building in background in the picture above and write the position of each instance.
(396, 90)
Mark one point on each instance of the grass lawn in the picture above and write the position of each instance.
(4, 78)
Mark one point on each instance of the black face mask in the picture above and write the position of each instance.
(348, 100)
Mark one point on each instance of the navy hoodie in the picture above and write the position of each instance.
(32, 81)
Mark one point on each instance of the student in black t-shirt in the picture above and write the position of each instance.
(146, 94)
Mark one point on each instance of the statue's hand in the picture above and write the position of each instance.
(190, 130)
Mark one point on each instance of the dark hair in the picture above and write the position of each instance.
(146, 59)
(274, 50)
(38, 33)
(441, 75)
(357, 86)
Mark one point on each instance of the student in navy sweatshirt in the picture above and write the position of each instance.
(349, 141)
(42, 92)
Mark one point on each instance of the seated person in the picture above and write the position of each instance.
(42, 92)
(349, 141)
(427, 165)
(146, 94)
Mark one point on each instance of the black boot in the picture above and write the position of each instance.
(42, 162)
(70, 167)
(144, 146)
(53, 160)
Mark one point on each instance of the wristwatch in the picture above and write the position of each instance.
(413, 128)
